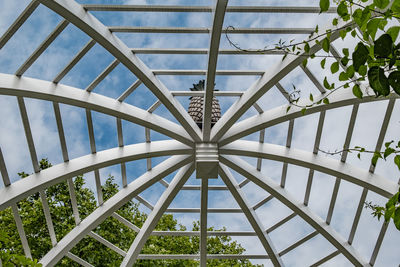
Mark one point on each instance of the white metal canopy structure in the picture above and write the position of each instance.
(260, 148)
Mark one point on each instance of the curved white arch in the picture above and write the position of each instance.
(364, 178)
(81, 18)
(55, 174)
(40, 89)
(303, 211)
(280, 114)
(111, 205)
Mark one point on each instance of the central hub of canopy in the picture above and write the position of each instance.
(207, 160)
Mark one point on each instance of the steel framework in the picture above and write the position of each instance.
(185, 135)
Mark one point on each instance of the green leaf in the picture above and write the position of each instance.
(378, 81)
(372, 27)
(342, 34)
(323, 63)
(360, 56)
(389, 212)
(326, 83)
(335, 67)
(357, 16)
(307, 48)
(350, 71)
(303, 111)
(325, 45)
(381, 3)
(396, 6)
(393, 32)
(387, 144)
(383, 46)
(345, 51)
(394, 81)
(288, 108)
(304, 63)
(388, 152)
(324, 5)
(335, 22)
(397, 161)
(326, 101)
(362, 70)
(343, 76)
(344, 61)
(311, 98)
(342, 9)
(375, 158)
(396, 218)
(357, 91)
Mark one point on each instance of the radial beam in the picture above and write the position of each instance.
(266, 82)
(304, 212)
(280, 114)
(57, 173)
(77, 15)
(373, 182)
(111, 205)
(219, 14)
(251, 215)
(33, 88)
(163, 202)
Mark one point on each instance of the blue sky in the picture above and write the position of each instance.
(71, 40)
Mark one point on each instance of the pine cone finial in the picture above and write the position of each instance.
(199, 86)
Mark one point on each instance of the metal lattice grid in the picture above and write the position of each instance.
(236, 151)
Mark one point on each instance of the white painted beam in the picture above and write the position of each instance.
(204, 72)
(186, 30)
(202, 51)
(219, 14)
(182, 8)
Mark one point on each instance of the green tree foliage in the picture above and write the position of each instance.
(34, 222)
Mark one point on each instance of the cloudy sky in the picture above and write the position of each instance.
(44, 129)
